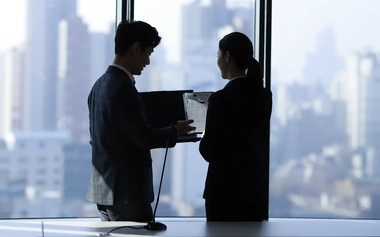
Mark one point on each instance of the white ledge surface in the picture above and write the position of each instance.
(186, 227)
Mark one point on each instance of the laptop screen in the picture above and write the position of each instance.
(164, 108)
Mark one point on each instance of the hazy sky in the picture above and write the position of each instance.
(167, 21)
(97, 13)
(296, 25)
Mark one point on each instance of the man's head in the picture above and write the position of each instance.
(134, 42)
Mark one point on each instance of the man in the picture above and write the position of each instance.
(121, 182)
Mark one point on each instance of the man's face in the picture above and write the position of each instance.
(142, 59)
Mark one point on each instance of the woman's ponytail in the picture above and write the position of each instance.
(254, 72)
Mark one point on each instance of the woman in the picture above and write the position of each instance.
(237, 117)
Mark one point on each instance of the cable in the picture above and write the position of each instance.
(162, 176)
(153, 225)
(108, 233)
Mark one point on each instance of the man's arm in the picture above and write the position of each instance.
(131, 116)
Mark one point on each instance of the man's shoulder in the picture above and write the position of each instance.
(115, 78)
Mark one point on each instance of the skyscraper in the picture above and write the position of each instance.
(202, 26)
(43, 17)
(57, 68)
(362, 86)
(74, 82)
(11, 96)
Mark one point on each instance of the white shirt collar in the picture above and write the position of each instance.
(126, 71)
(236, 78)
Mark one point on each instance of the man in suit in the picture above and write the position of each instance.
(121, 182)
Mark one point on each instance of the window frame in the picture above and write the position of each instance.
(263, 37)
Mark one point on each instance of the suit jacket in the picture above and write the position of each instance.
(121, 142)
(236, 120)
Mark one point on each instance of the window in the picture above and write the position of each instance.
(50, 55)
(23, 160)
(325, 128)
(325, 77)
(186, 59)
(41, 171)
(41, 160)
(4, 160)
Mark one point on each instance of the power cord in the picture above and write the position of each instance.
(120, 227)
(153, 225)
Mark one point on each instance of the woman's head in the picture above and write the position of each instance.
(235, 56)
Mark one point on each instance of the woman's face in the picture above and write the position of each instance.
(222, 62)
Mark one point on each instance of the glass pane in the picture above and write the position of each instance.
(51, 52)
(186, 60)
(325, 129)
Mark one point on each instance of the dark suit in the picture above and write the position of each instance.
(121, 142)
(237, 116)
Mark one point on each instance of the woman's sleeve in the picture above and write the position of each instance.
(212, 139)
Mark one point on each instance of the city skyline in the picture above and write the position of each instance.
(98, 17)
(323, 129)
(341, 16)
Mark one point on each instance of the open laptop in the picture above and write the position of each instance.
(165, 108)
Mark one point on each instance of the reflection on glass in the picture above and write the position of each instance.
(52, 53)
(325, 129)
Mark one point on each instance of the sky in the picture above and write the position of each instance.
(13, 18)
(11, 27)
(167, 21)
(296, 25)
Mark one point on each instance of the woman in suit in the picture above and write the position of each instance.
(237, 118)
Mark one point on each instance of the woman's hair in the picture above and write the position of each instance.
(241, 49)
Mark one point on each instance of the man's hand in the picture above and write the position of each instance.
(184, 127)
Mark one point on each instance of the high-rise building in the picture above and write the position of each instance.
(57, 68)
(358, 86)
(322, 65)
(101, 53)
(362, 84)
(11, 94)
(74, 82)
(43, 17)
(203, 26)
(38, 157)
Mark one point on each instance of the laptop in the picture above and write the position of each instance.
(165, 108)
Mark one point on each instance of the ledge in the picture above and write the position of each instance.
(185, 227)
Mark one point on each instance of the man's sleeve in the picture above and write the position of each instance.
(130, 114)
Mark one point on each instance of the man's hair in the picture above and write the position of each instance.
(129, 32)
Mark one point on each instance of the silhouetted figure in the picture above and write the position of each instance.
(237, 118)
(121, 182)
